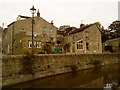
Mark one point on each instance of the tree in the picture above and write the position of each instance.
(105, 33)
(114, 29)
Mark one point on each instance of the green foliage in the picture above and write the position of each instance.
(73, 68)
(27, 63)
(42, 52)
(59, 42)
(114, 27)
(47, 48)
(105, 33)
(96, 62)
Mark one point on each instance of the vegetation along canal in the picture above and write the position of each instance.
(97, 77)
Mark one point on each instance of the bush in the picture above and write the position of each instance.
(47, 48)
(73, 68)
(28, 62)
(96, 62)
(59, 41)
(42, 52)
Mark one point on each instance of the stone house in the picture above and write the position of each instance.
(18, 36)
(1, 30)
(86, 39)
(60, 34)
(114, 43)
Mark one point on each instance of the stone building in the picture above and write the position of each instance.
(1, 30)
(86, 39)
(18, 36)
(119, 10)
(113, 43)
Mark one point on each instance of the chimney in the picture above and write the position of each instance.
(82, 25)
(52, 22)
(38, 13)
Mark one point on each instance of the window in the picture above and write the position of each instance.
(80, 45)
(87, 34)
(30, 44)
(51, 31)
(87, 45)
(38, 44)
(35, 44)
(51, 39)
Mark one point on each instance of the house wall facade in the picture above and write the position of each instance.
(86, 41)
(115, 43)
(19, 35)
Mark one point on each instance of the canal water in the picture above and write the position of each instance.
(99, 77)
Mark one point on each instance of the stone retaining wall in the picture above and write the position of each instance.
(19, 69)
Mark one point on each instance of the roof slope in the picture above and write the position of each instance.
(75, 30)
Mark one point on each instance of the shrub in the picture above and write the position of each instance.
(73, 68)
(59, 42)
(47, 48)
(95, 62)
(27, 63)
(42, 52)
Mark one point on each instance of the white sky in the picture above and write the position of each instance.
(62, 12)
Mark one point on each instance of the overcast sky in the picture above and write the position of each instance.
(62, 12)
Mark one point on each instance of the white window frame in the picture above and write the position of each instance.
(30, 44)
(80, 44)
(38, 44)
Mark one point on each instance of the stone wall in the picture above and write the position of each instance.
(18, 69)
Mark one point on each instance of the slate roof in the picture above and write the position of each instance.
(81, 29)
(78, 30)
(23, 16)
(112, 40)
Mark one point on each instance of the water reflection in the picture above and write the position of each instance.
(93, 78)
